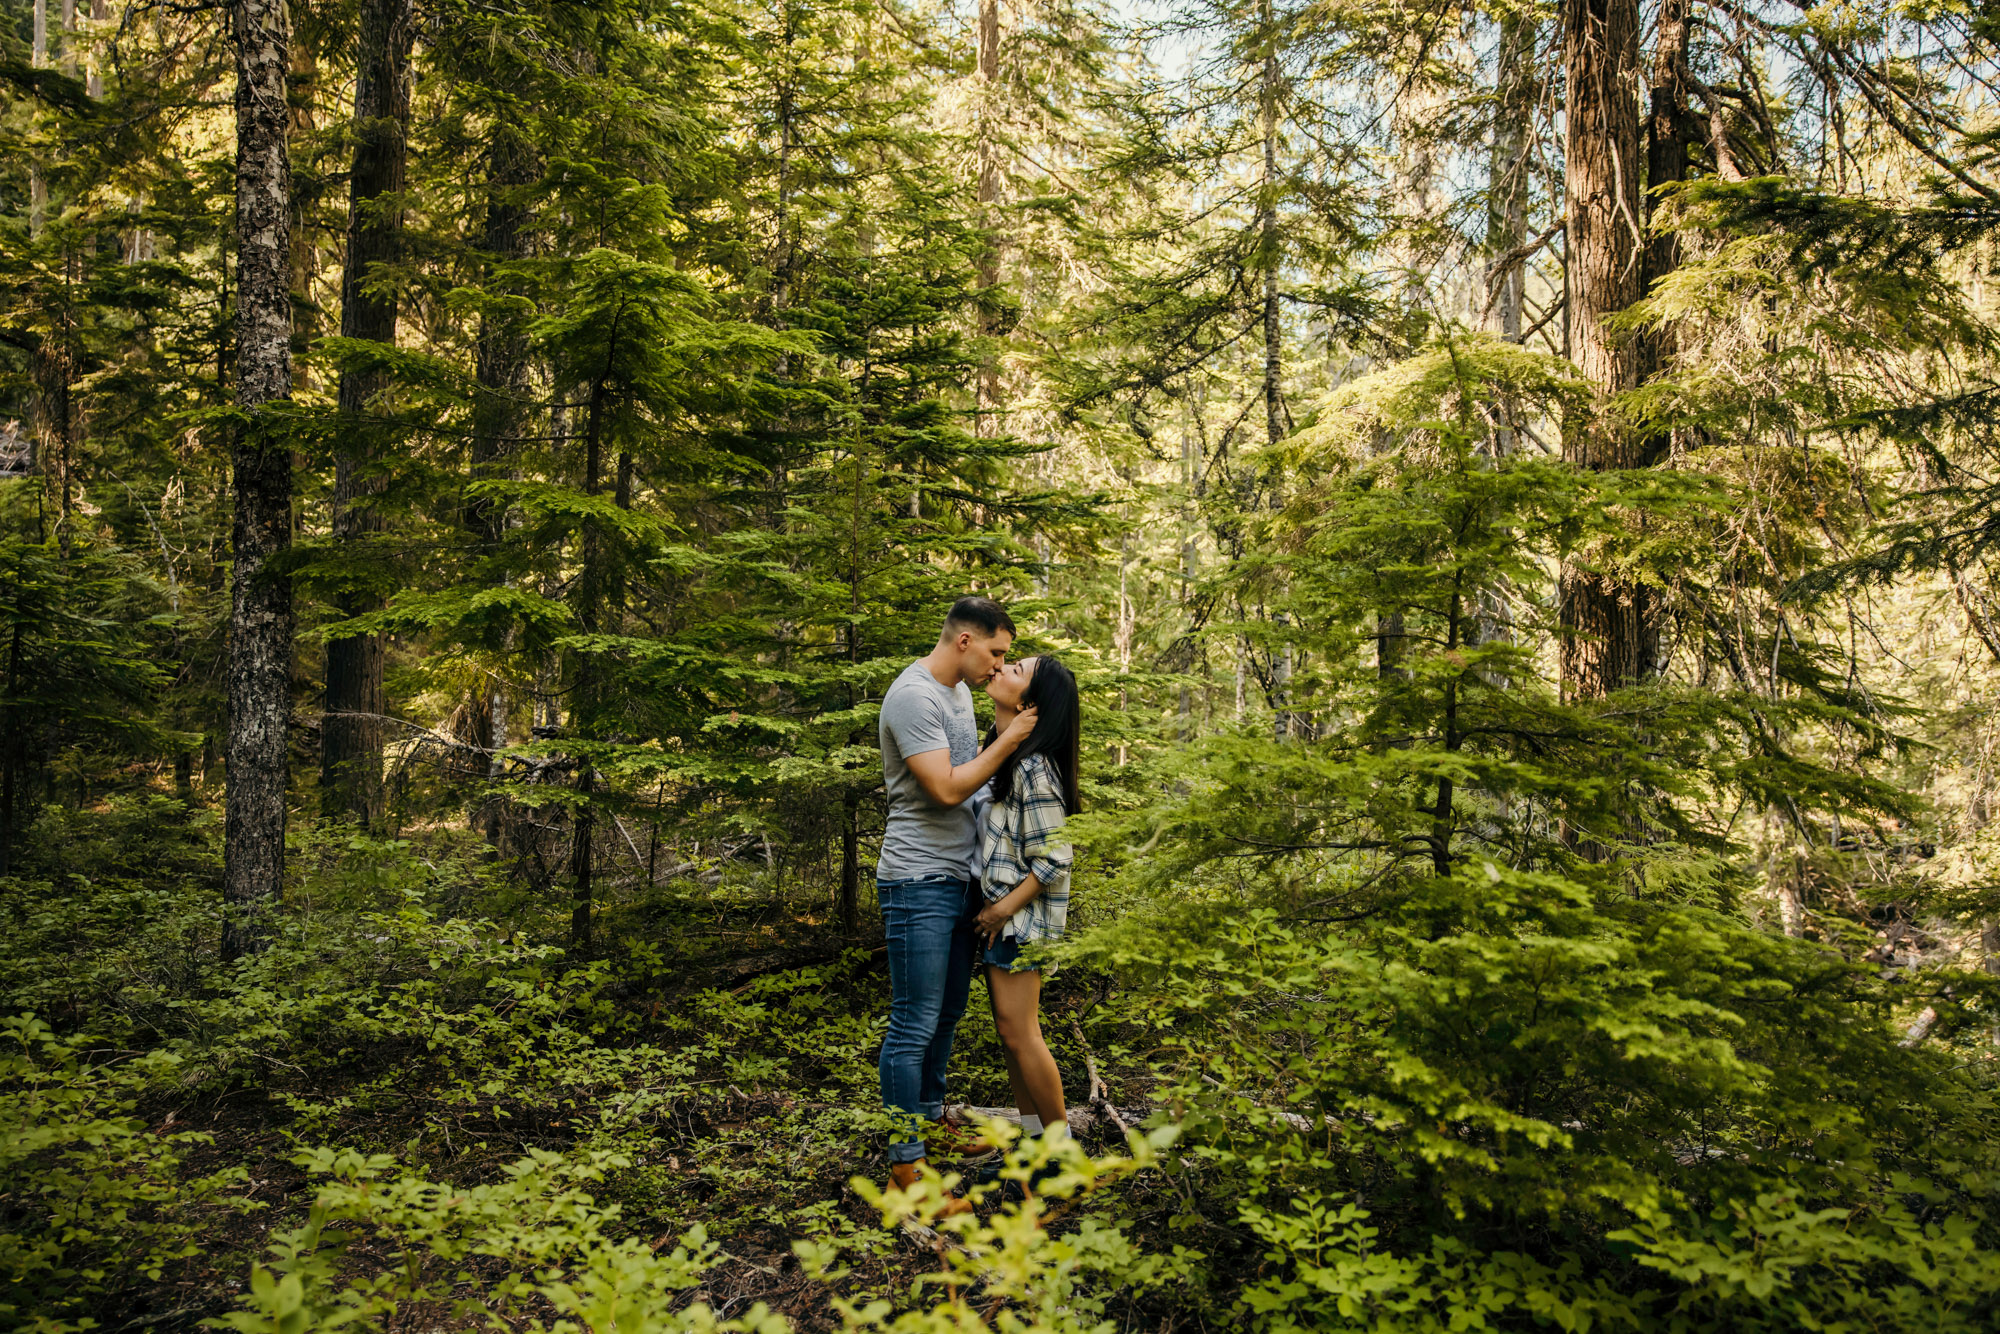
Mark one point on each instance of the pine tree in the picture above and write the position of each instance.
(1240, 224)
(877, 449)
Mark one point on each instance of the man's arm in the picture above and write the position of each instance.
(948, 784)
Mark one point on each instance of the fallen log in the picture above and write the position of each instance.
(1100, 1094)
(1082, 1120)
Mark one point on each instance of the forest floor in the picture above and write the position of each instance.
(752, 1050)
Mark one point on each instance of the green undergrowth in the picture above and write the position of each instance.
(1501, 1100)
(448, 1112)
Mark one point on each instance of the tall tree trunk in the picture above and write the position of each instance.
(350, 765)
(1605, 643)
(45, 372)
(1392, 648)
(1507, 176)
(71, 419)
(10, 750)
(581, 863)
(850, 860)
(585, 713)
(1442, 816)
(55, 417)
(501, 360)
(1669, 132)
(1514, 95)
(55, 357)
(1268, 251)
(1128, 621)
(783, 252)
(260, 616)
(38, 188)
(1190, 541)
(100, 10)
(303, 91)
(501, 367)
(986, 424)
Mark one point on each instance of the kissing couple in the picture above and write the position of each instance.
(974, 867)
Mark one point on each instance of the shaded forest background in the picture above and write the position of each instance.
(1516, 482)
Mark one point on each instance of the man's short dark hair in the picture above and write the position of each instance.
(983, 616)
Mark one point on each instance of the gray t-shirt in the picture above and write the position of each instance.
(922, 837)
(979, 803)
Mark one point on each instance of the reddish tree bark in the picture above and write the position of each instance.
(1606, 640)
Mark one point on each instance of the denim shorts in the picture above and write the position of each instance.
(1005, 954)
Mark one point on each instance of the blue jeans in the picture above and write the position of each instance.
(928, 922)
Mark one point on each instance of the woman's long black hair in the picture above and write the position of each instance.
(1058, 730)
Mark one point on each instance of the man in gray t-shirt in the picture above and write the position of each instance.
(931, 765)
(920, 715)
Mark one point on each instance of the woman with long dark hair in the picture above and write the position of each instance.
(1026, 873)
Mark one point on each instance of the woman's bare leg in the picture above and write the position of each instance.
(1024, 1103)
(1017, 1002)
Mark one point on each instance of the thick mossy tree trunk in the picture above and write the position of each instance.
(1607, 640)
(260, 614)
(351, 734)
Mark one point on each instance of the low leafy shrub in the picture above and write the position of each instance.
(92, 1200)
(536, 1250)
(1007, 1270)
(111, 917)
(1514, 1099)
(533, 1242)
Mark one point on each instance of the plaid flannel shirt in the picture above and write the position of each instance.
(1024, 834)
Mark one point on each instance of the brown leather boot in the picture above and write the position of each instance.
(959, 1139)
(905, 1176)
